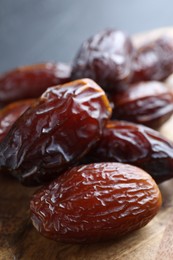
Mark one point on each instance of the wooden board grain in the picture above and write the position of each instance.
(19, 240)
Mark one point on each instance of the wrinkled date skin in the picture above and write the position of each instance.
(10, 113)
(148, 103)
(137, 145)
(153, 60)
(55, 132)
(95, 202)
(31, 81)
(106, 58)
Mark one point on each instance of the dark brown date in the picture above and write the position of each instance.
(106, 58)
(95, 202)
(10, 113)
(55, 132)
(148, 103)
(153, 60)
(31, 81)
(137, 145)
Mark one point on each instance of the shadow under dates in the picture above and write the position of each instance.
(19, 240)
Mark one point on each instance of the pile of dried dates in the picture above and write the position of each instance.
(89, 134)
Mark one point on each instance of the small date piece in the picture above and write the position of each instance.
(55, 132)
(137, 145)
(95, 202)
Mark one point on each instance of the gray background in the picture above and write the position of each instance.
(38, 30)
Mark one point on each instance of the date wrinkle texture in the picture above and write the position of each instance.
(147, 103)
(134, 144)
(95, 202)
(106, 58)
(55, 132)
(31, 81)
(10, 113)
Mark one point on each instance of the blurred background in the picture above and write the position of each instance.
(33, 31)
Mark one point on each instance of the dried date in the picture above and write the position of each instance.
(137, 145)
(10, 113)
(31, 81)
(106, 58)
(148, 103)
(153, 60)
(95, 202)
(55, 132)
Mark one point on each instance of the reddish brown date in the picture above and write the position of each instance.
(137, 145)
(106, 58)
(95, 202)
(31, 81)
(55, 132)
(10, 113)
(153, 60)
(148, 103)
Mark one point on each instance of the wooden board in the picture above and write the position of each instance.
(19, 240)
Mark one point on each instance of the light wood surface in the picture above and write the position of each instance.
(19, 240)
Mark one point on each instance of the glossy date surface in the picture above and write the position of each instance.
(55, 132)
(95, 202)
(153, 60)
(106, 58)
(10, 113)
(149, 103)
(31, 81)
(137, 145)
